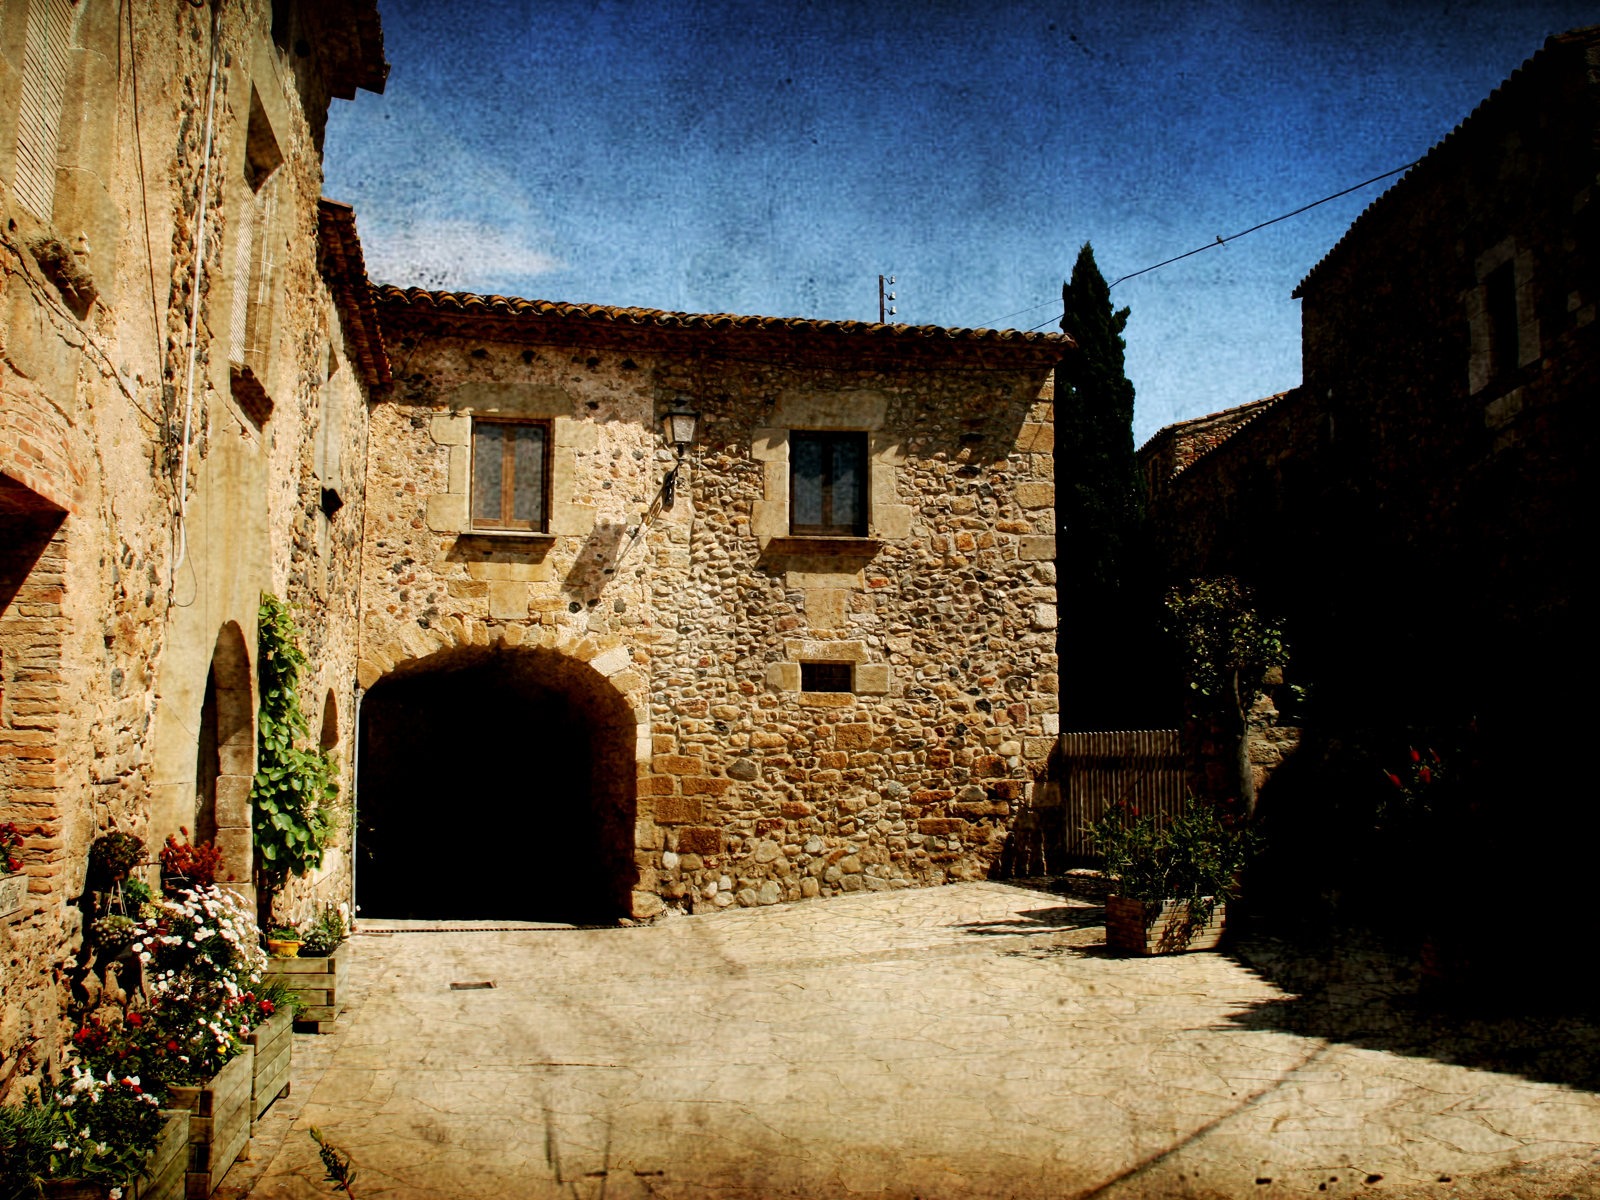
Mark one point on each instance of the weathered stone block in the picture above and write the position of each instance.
(1035, 495)
(892, 521)
(677, 764)
(872, 679)
(853, 736)
(784, 677)
(941, 826)
(700, 839)
(677, 810)
(705, 785)
(1036, 547)
(451, 429)
(447, 514)
(508, 601)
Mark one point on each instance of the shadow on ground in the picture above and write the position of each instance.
(1351, 988)
(1037, 920)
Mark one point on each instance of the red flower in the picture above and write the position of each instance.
(172, 1045)
(13, 863)
(1415, 757)
(1425, 775)
(1395, 779)
(268, 1008)
(135, 1020)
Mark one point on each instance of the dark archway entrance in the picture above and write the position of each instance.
(496, 784)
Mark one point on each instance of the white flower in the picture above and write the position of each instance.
(115, 1194)
(58, 1145)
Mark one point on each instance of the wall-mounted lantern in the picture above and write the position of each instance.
(679, 424)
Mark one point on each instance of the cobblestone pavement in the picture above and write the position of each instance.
(966, 1041)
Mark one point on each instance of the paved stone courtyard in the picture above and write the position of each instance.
(972, 1040)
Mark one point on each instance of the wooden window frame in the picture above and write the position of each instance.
(828, 527)
(507, 524)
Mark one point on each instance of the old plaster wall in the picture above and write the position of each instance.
(749, 790)
(112, 610)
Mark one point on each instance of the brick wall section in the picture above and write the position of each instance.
(750, 791)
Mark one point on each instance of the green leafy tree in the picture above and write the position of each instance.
(294, 787)
(1229, 648)
(1099, 514)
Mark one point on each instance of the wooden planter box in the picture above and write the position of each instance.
(166, 1180)
(219, 1123)
(321, 982)
(1141, 927)
(274, 1044)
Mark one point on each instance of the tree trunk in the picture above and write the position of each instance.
(1247, 776)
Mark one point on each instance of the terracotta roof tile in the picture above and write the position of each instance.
(1554, 46)
(418, 302)
(345, 269)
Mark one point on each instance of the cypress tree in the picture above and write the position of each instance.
(1109, 626)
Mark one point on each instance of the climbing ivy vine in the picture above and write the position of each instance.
(294, 786)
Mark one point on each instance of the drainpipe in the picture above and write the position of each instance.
(355, 802)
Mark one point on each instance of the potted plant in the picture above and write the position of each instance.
(185, 866)
(1170, 881)
(283, 941)
(320, 980)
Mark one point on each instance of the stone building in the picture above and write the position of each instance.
(1420, 508)
(814, 654)
(162, 463)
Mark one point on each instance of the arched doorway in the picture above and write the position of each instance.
(496, 783)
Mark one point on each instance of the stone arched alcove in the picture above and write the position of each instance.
(225, 757)
(498, 781)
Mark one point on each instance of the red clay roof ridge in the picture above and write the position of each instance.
(391, 295)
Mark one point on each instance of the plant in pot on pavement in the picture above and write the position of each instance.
(325, 933)
(1170, 880)
(283, 941)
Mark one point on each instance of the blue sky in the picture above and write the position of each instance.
(751, 157)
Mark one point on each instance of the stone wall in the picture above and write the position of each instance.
(1419, 510)
(750, 790)
(142, 517)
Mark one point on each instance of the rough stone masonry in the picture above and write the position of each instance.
(742, 782)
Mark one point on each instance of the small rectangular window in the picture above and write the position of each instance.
(1500, 306)
(828, 483)
(826, 677)
(509, 474)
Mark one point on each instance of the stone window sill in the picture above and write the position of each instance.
(855, 547)
(513, 535)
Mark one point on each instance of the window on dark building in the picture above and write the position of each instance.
(510, 473)
(1500, 306)
(827, 483)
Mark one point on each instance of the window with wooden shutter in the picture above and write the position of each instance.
(44, 85)
(510, 475)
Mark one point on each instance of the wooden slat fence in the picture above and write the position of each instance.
(1143, 767)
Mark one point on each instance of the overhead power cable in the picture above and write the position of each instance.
(1222, 241)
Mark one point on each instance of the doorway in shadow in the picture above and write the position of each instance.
(496, 784)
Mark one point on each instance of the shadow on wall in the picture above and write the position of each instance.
(496, 784)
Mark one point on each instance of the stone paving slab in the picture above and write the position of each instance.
(967, 1041)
